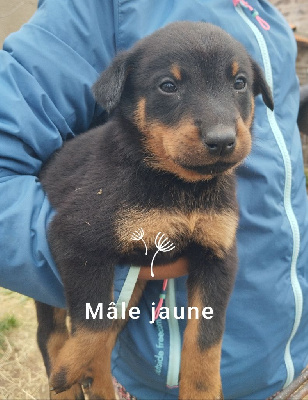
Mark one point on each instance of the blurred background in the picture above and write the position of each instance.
(13, 13)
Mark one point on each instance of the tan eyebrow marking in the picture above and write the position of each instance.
(235, 68)
(175, 70)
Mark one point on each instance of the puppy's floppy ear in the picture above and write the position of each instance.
(108, 88)
(260, 85)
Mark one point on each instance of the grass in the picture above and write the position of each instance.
(22, 372)
(7, 323)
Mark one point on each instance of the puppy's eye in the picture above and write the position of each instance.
(168, 87)
(240, 84)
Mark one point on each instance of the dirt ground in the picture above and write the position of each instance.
(22, 373)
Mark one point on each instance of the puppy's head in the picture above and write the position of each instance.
(189, 90)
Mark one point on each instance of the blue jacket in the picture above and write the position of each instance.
(46, 72)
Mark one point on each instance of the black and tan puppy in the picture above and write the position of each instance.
(181, 106)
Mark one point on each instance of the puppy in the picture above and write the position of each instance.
(181, 105)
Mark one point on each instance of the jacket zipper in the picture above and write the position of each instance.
(175, 345)
(298, 296)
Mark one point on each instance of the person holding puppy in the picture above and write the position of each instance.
(47, 71)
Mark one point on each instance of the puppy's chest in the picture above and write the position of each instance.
(137, 227)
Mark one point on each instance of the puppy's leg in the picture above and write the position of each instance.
(86, 356)
(85, 359)
(209, 285)
(101, 386)
(52, 333)
(85, 281)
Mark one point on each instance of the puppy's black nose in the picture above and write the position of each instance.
(220, 143)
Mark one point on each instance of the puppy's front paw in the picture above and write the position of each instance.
(74, 393)
(85, 359)
(59, 381)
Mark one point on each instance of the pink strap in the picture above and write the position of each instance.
(254, 13)
(162, 296)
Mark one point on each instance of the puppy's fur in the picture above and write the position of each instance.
(181, 106)
(302, 119)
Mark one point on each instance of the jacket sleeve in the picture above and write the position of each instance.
(46, 73)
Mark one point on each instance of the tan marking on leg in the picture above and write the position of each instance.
(75, 392)
(55, 343)
(176, 72)
(200, 370)
(87, 354)
(59, 316)
(59, 335)
(135, 297)
(213, 230)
